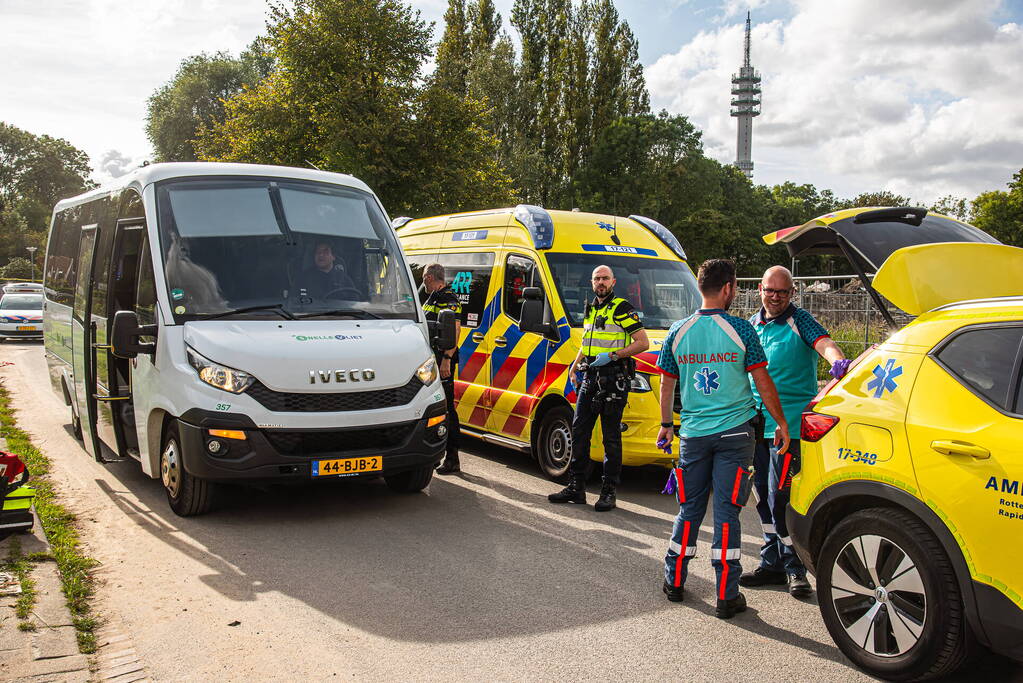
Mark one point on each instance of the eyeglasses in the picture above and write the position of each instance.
(776, 292)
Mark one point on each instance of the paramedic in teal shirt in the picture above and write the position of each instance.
(792, 339)
(708, 356)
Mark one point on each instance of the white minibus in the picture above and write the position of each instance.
(235, 322)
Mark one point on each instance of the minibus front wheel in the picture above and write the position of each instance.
(186, 494)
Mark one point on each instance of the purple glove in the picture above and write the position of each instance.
(665, 445)
(839, 368)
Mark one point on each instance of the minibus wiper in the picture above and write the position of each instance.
(276, 308)
(339, 311)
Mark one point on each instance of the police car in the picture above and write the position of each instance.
(21, 311)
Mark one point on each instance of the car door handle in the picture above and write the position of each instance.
(500, 341)
(961, 448)
(478, 337)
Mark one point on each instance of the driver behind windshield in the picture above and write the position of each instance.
(326, 277)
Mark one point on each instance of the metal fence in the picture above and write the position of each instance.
(839, 302)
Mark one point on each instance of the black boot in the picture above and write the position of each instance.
(575, 492)
(799, 587)
(762, 577)
(607, 497)
(450, 465)
(726, 609)
(674, 594)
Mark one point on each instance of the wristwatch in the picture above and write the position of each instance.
(668, 425)
(613, 355)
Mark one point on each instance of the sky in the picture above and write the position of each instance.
(919, 97)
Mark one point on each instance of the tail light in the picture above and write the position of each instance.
(815, 425)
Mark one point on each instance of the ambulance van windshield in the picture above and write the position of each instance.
(662, 291)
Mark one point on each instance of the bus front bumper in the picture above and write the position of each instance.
(290, 454)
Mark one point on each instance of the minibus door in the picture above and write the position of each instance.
(82, 336)
(116, 420)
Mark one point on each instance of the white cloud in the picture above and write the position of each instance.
(919, 97)
(83, 70)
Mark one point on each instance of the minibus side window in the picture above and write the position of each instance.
(145, 299)
(519, 272)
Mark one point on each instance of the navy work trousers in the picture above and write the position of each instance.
(586, 414)
(772, 480)
(720, 462)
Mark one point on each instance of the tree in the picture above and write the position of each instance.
(955, 207)
(1000, 214)
(882, 198)
(346, 93)
(453, 54)
(194, 99)
(36, 171)
(18, 268)
(484, 26)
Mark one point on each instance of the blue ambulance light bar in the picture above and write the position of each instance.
(400, 222)
(663, 234)
(538, 222)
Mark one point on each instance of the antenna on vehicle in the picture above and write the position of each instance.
(313, 165)
(614, 232)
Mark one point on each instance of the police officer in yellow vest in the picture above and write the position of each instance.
(612, 334)
(440, 297)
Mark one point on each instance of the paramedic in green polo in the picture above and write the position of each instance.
(792, 340)
(710, 356)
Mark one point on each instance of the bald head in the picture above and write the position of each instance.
(603, 280)
(776, 289)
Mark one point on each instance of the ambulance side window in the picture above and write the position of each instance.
(982, 360)
(469, 277)
(519, 272)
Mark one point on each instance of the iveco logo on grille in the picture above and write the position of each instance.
(327, 376)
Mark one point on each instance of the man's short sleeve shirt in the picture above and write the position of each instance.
(710, 353)
(788, 341)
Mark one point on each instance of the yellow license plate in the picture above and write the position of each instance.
(333, 468)
(26, 328)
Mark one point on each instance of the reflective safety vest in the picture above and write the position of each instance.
(604, 327)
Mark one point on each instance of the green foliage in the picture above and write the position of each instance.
(453, 55)
(194, 98)
(18, 268)
(346, 94)
(953, 207)
(75, 568)
(1000, 214)
(36, 171)
(882, 198)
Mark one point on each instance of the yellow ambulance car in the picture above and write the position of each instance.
(909, 503)
(512, 387)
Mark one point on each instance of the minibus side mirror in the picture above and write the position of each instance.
(536, 314)
(445, 330)
(124, 336)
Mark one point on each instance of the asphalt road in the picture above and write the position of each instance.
(476, 578)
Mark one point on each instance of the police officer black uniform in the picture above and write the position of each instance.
(440, 297)
(612, 334)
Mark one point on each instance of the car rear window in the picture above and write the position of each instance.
(21, 302)
(984, 360)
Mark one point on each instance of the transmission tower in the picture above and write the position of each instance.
(745, 105)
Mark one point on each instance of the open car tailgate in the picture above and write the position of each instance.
(921, 278)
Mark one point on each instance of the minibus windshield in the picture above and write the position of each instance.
(254, 248)
(662, 291)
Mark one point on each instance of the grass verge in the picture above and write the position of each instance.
(59, 526)
(18, 565)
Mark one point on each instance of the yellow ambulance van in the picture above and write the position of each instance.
(512, 387)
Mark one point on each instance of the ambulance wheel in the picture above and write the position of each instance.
(409, 481)
(909, 626)
(187, 495)
(554, 442)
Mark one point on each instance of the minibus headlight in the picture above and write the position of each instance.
(219, 376)
(427, 372)
(640, 383)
